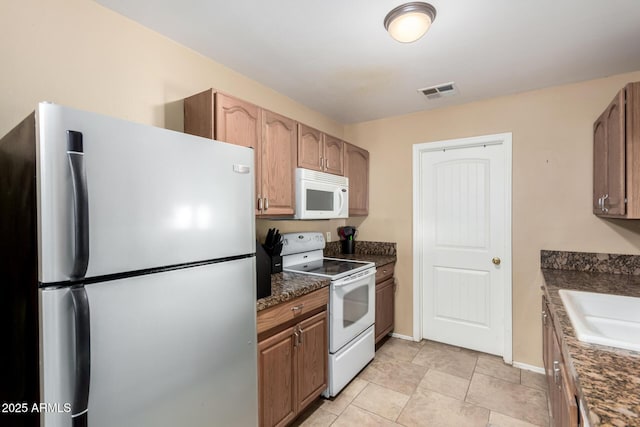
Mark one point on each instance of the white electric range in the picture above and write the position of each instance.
(351, 304)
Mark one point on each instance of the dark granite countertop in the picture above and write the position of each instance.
(381, 253)
(607, 378)
(286, 286)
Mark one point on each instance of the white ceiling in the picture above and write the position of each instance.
(334, 55)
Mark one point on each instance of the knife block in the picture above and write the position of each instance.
(276, 264)
(263, 272)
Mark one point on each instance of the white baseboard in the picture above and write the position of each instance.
(526, 367)
(402, 337)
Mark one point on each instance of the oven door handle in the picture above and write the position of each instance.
(358, 277)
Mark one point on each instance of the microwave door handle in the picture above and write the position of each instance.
(341, 200)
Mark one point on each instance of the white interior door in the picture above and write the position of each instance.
(464, 234)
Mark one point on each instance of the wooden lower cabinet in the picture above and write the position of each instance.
(385, 300)
(292, 366)
(562, 397)
(276, 361)
(313, 359)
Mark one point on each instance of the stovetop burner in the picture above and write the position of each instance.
(327, 267)
(303, 253)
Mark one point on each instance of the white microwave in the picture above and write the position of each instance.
(321, 195)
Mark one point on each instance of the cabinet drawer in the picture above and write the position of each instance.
(294, 309)
(385, 272)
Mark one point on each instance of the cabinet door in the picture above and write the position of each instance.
(563, 402)
(547, 344)
(384, 308)
(609, 159)
(599, 163)
(357, 170)
(313, 354)
(278, 162)
(333, 155)
(239, 122)
(615, 137)
(309, 148)
(276, 379)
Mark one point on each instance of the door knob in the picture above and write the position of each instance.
(496, 260)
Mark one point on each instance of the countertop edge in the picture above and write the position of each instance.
(287, 286)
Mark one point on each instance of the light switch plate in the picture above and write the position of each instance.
(328, 236)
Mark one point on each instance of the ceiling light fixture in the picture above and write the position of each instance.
(410, 21)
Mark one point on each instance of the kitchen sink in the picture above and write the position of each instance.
(612, 320)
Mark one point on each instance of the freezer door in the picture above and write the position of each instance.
(176, 348)
(139, 197)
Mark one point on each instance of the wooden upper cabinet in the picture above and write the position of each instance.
(319, 152)
(278, 163)
(356, 162)
(333, 155)
(273, 138)
(599, 163)
(616, 156)
(199, 112)
(309, 148)
(237, 121)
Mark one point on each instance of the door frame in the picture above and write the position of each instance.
(505, 139)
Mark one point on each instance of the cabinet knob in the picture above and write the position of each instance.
(266, 203)
(496, 260)
(259, 203)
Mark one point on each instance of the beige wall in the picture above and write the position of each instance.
(78, 53)
(552, 174)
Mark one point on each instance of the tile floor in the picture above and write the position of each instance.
(432, 384)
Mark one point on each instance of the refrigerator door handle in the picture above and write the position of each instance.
(75, 154)
(80, 405)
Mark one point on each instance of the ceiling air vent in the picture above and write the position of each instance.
(439, 91)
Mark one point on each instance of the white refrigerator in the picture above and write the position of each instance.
(128, 275)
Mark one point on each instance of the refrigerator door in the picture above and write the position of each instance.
(176, 348)
(132, 197)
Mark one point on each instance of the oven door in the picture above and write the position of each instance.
(352, 307)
